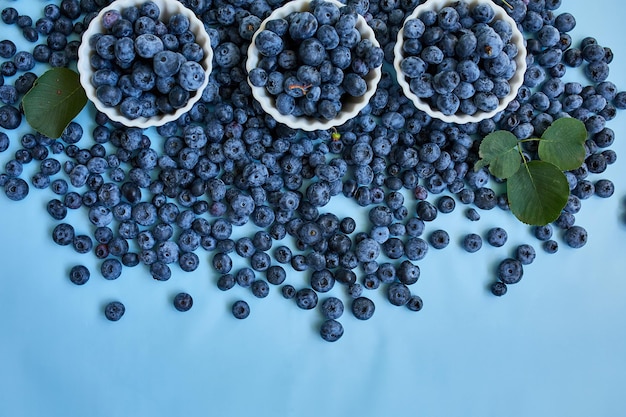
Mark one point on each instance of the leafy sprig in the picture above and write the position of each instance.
(54, 101)
(537, 190)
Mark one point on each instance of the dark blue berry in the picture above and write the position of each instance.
(510, 271)
(114, 310)
(525, 253)
(576, 236)
(498, 288)
(331, 330)
(183, 301)
(79, 274)
(363, 308)
(398, 294)
(240, 309)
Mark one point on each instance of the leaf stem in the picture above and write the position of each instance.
(507, 4)
(529, 140)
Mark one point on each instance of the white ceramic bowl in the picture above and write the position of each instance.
(168, 8)
(351, 106)
(515, 82)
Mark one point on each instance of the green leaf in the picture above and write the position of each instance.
(54, 101)
(499, 150)
(537, 193)
(563, 143)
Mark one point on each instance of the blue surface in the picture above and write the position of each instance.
(553, 346)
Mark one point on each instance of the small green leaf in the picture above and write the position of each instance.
(537, 193)
(563, 143)
(54, 101)
(499, 150)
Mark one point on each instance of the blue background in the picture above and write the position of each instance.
(554, 345)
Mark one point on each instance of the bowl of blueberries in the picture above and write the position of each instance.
(460, 61)
(144, 63)
(313, 65)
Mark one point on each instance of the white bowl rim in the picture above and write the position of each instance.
(85, 71)
(304, 122)
(515, 82)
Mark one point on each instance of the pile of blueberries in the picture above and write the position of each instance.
(144, 65)
(312, 60)
(226, 164)
(462, 58)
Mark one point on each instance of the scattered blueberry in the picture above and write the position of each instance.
(510, 271)
(415, 303)
(363, 308)
(114, 310)
(240, 309)
(497, 236)
(575, 236)
(183, 301)
(331, 330)
(498, 288)
(472, 242)
(525, 253)
(79, 274)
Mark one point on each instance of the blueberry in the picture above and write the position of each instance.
(497, 236)
(604, 188)
(240, 309)
(398, 294)
(363, 308)
(191, 75)
(285, 104)
(131, 108)
(408, 273)
(7, 48)
(143, 77)
(498, 288)
(109, 95)
(10, 117)
(472, 242)
(439, 239)
(575, 236)
(510, 271)
(114, 310)
(322, 280)
(16, 189)
(525, 253)
(543, 233)
(354, 85)
(597, 71)
(166, 63)
(79, 274)
(111, 269)
(313, 53)
(306, 298)
(222, 263)
(414, 28)
(332, 308)
(426, 211)
(331, 330)
(302, 25)
(150, 9)
(183, 301)
(268, 43)
(148, 45)
(226, 282)
(159, 270)
(63, 234)
(9, 15)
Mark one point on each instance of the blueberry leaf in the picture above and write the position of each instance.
(499, 150)
(563, 143)
(54, 101)
(537, 193)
